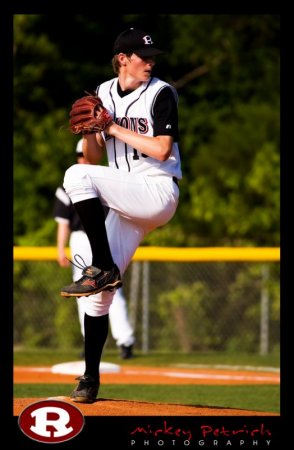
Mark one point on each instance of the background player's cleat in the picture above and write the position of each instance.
(86, 391)
(126, 351)
(93, 281)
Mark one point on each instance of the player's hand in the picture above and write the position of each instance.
(63, 261)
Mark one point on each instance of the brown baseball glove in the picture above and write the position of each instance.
(88, 115)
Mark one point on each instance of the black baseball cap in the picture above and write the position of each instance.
(135, 41)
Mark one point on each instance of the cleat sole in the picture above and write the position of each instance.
(82, 400)
(108, 287)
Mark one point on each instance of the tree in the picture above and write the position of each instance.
(226, 70)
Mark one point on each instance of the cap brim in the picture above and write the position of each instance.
(145, 52)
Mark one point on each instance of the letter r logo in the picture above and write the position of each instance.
(51, 421)
(59, 421)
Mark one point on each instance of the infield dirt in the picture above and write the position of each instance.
(148, 375)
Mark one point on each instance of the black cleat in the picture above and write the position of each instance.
(126, 351)
(93, 281)
(86, 391)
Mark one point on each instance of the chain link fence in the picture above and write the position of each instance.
(173, 306)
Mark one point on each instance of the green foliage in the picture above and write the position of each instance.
(210, 307)
(66, 324)
(226, 70)
(183, 309)
(223, 315)
(41, 317)
(239, 200)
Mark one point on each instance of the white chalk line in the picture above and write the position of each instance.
(204, 376)
(174, 374)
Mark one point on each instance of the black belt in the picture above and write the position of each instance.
(175, 180)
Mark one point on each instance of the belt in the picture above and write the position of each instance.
(175, 180)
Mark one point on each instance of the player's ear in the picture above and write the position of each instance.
(122, 59)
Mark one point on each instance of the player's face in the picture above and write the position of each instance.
(140, 68)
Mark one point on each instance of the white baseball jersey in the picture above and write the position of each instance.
(141, 192)
(135, 112)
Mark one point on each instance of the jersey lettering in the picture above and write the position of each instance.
(137, 124)
(143, 126)
(135, 155)
(123, 122)
(136, 112)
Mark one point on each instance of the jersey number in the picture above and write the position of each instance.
(136, 156)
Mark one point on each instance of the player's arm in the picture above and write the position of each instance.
(63, 232)
(158, 146)
(93, 147)
(61, 214)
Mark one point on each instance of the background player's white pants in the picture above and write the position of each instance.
(121, 330)
(138, 204)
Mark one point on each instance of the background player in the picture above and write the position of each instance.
(140, 186)
(70, 231)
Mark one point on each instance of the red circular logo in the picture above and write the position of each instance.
(51, 421)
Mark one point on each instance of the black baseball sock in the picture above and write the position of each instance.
(92, 216)
(96, 331)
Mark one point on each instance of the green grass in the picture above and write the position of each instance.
(264, 398)
(45, 356)
(256, 398)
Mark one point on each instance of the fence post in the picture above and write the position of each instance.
(264, 311)
(134, 291)
(145, 307)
